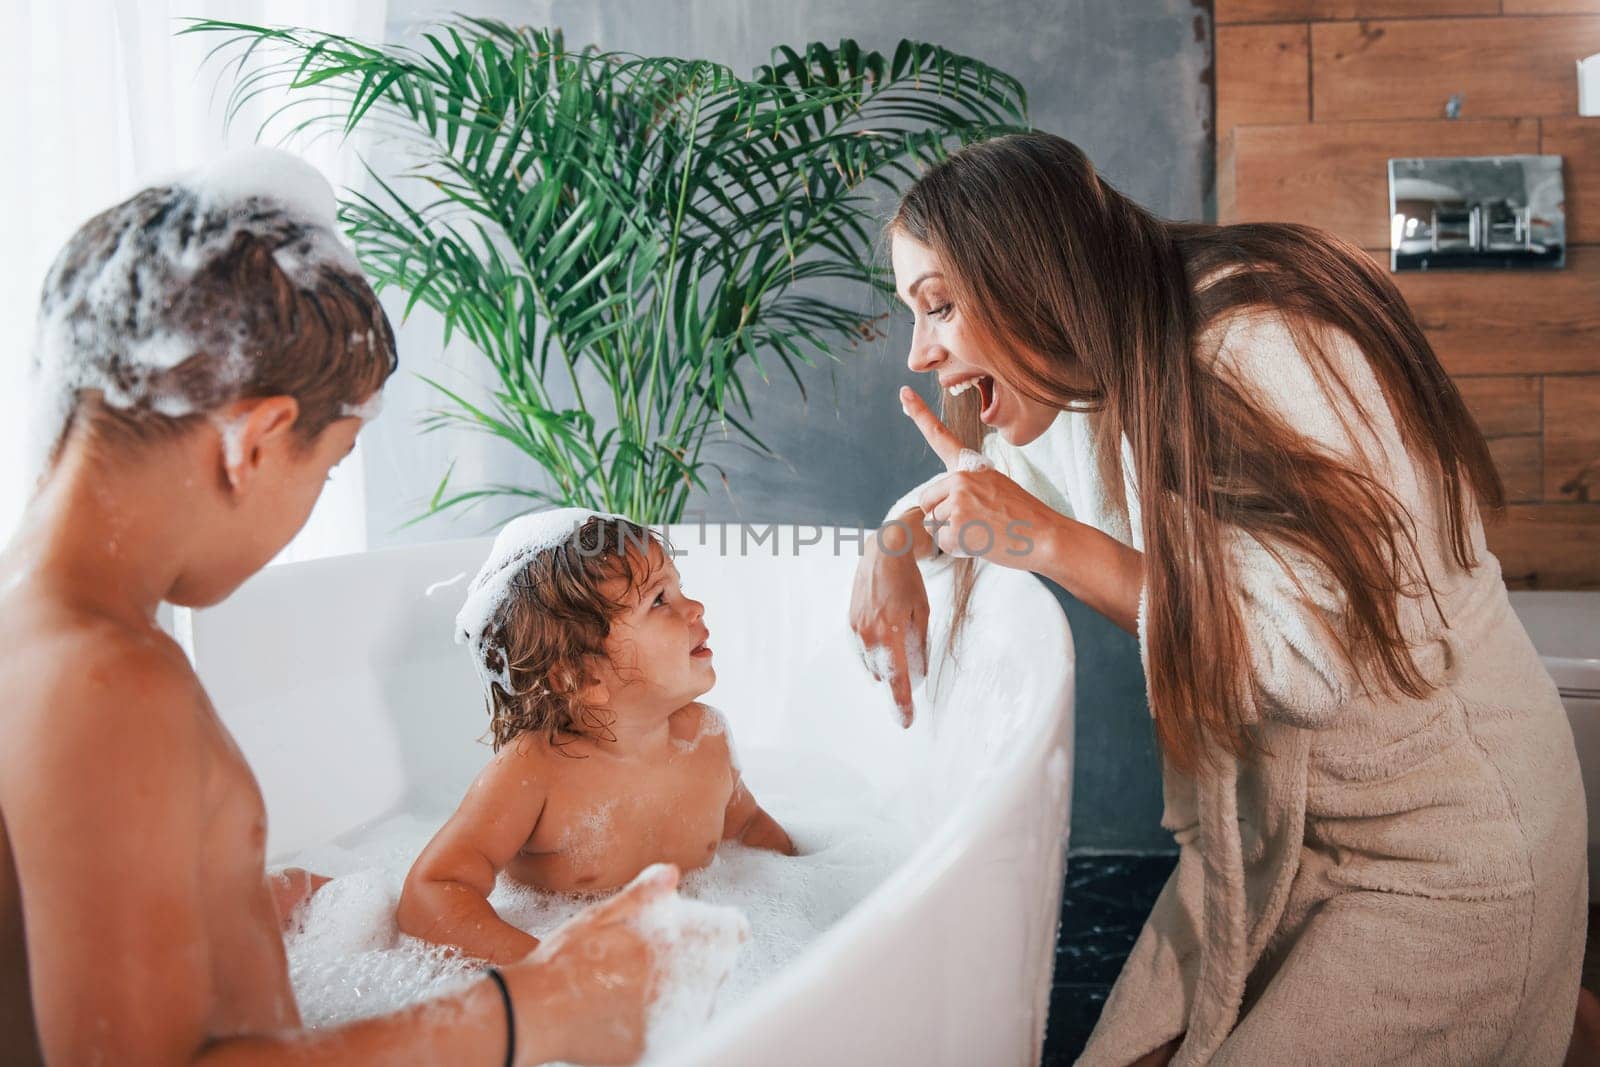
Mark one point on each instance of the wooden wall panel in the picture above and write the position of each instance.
(1550, 7)
(1523, 347)
(1336, 175)
(1548, 546)
(1409, 69)
(1499, 322)
(1521, 465)
(1508, 412)
(1572, 439)
(1227, 194)
(1263, 75)
(1578, 141)
(1504, 405)
(1312, 10)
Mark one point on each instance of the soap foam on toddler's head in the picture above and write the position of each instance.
(538, 613)
(227, 283)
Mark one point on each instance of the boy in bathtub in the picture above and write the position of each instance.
(604, 760)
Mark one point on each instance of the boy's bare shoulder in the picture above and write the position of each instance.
(111, 737)
(96, 685)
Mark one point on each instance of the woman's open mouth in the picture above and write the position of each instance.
(701, 651)
(986, 394)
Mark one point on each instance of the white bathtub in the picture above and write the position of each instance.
(342, 685)
(1565, 628)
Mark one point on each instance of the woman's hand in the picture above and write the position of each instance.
(583, 994)
(974, 510)
(889, 615)
(977, 511)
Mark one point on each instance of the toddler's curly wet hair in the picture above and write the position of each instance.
(553, 627)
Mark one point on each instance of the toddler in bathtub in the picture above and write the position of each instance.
(604, 761)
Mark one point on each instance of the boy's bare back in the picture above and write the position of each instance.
(112, 742)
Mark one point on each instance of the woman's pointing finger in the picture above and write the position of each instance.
(944, 443)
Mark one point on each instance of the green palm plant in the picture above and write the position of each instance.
(661, 221)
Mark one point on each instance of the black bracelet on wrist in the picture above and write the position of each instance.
(511, 1019)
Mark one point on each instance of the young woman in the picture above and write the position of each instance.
(1236, 443)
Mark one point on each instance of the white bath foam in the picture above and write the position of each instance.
(352, 914)
(879, 661)
(108, 324)
(970, 459)
(848, 838)
(695, 945)
(269, 173)
(443, 583)
(584, 839)
(518, 542)
(348, 959)
(231, 430)
(370, 408)
(712, 724)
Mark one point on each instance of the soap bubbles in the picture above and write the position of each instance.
(735, 924)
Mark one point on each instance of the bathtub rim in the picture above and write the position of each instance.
(933, 859)
(1013, 778)
(1542, 610)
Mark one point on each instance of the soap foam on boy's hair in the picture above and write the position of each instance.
(230, 282)
(536, 616)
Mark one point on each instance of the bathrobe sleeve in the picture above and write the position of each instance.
(1291, 608)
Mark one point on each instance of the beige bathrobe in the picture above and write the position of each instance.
(1401, 881)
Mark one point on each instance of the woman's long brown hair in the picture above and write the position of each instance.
(1087, 301)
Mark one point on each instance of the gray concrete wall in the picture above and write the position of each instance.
(1128, 81)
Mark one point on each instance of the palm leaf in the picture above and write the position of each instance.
(663, 224)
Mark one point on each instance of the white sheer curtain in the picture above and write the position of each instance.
(101, 99)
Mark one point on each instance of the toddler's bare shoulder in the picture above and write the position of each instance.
(702, 727)
(712, 722)
(522, 753)
(525, 765)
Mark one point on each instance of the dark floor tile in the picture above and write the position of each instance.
(1095, 956)
(1073, 1012)
(1591, 951)
(1104, 903)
